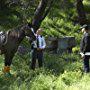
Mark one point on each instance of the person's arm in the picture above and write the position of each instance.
(82, 45)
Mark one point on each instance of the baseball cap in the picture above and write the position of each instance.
(85, 26)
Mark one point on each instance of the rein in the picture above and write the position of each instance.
(33, 31)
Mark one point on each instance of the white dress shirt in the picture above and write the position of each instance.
(41, 42)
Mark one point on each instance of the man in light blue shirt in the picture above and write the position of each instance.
(38, 47)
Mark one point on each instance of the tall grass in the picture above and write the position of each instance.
(60, 72)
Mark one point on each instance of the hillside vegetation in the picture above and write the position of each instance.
(60, 72)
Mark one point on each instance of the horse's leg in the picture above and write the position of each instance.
(7, 63)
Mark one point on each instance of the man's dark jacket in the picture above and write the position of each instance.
(85, 43)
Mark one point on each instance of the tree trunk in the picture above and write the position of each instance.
(81, 13)
(41, 12)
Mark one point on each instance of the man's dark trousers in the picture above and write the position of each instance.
(37, 55)
(86, 63)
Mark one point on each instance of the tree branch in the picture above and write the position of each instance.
(38, 15)
(81, 12)
(48, 9)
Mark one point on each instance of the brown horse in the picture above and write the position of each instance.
(14, 38)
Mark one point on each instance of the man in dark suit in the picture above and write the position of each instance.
(85, 47)
(38, 47)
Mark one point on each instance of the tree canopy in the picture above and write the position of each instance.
(16, 12)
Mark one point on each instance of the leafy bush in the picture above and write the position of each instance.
(71, 77)
(42, 82)
(61, 71)
(76, 49)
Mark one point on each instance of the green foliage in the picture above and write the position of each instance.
(75, 49)
(87, 6)
(16, 12)
(71, 77)
(61, 71)
(42, 82)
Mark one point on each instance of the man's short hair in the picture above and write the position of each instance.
(40, 29)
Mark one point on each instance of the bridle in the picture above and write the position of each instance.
(33, 31)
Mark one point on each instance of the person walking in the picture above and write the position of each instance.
(85, 47)
(38, 47)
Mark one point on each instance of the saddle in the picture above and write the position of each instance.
(3, 38)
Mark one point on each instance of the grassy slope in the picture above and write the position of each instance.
(60, 72)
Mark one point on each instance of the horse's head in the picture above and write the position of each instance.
(29, 32)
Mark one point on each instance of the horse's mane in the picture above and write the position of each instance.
(16, 31)
(18, 27)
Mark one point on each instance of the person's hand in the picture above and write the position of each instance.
(82, 56)
(39, 49)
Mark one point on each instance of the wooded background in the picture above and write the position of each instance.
(58, 18)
